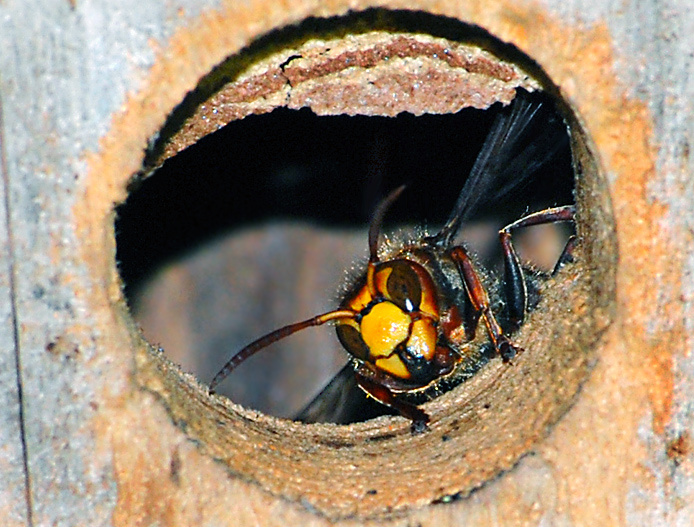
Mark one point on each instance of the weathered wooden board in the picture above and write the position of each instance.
(84, 86)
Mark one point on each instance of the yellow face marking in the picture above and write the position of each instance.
(423, 338)
(360, 300)
(429, 302)
(383, 328)
(381, 279)
(394, 366)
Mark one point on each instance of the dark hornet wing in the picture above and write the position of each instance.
(341, 402)
(523, 137)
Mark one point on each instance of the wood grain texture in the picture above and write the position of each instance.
(85, 87)
(14, 499)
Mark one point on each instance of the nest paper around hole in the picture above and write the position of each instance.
(479, 429)
(370, 73)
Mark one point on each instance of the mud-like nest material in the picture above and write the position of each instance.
(375, 73)
(482, 427)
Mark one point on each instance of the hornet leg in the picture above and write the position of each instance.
(480, 301)
(514, 280)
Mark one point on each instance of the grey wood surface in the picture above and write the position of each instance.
(64, 69)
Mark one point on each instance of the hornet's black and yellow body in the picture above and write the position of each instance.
(410, 321)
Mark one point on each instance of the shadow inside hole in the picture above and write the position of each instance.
(252, 228)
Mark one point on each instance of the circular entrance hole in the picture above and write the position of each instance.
(250, 227)
(249, 255)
